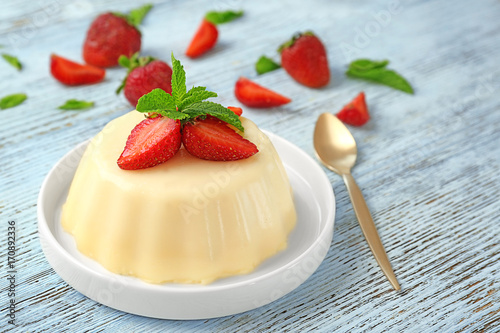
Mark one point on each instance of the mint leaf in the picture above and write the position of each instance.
(178, 81)
(192, 113)
(265, 64)
(156, 101)
(174, 114)
(195, 96)
(74, 104)
(136, 16)
(10, 101)
(376, 71)
(13, 61)
(216, 110)
(222, 17)
(367, 64)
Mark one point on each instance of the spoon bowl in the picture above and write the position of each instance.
(336, 149)
(334, 145)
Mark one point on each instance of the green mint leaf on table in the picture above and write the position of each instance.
(10, 101)
(366, 64)
(376, 71)
(265, 64)
(222, 17)
(185, 105)
(137, 15)
(74, 104)
(13, 61)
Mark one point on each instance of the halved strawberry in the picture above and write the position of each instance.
(152, 142)
(237, 111)
(204, 39)
(253, 95)
(212, 139)
(356, 112)
(72, 73)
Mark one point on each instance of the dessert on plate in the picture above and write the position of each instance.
(190, 194)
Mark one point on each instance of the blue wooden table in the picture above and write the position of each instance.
(428, 163)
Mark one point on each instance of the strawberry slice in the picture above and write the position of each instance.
(72, 73)
(212, 139)
(256, 96)
(237, 111)
(203, 40)
(151, 142)
(356, 112)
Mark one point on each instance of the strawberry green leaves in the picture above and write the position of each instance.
(376, 71)
(222, 17)
(137, 15)
(12, 61)
(265, 64)
(132, 63)
(10, 101)
(185, 105)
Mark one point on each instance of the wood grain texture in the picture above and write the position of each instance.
(428, 164)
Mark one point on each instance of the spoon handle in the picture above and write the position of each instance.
(369, 230)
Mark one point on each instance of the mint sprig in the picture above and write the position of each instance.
(185, 105)
(376, 71)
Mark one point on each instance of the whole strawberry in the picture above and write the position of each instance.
(112, 34)
(304, 58)
(144, 75)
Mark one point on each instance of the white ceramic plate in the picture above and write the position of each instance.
(274, 278)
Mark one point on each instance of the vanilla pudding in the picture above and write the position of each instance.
(187, 220)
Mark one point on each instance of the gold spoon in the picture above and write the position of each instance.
(336, 149)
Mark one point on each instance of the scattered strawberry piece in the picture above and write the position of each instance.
(237, 111)
(253, 95)
(356, 112)
(72, 73)
(212, 139)
(108, 37)
(151, 142)
(304, 58)
(203, 40)
(145, 74)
